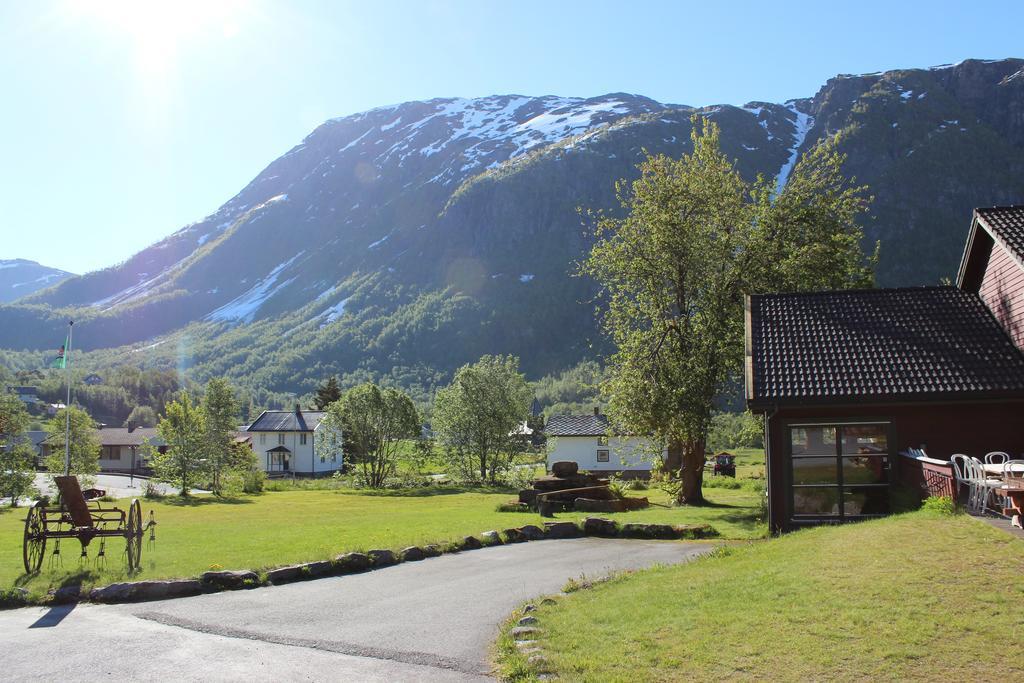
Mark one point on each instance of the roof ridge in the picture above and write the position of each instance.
(858, 290)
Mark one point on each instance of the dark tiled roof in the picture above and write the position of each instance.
(577, 425)
(914, 344)
(1006, 223)
(120, 436)
(287, 421)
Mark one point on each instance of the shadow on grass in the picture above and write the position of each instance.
(197, 501)
(70, 578)
(431, 491)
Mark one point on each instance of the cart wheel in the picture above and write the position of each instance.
(133, 536)
(35, 540)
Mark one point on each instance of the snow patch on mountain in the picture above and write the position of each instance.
(334, 312)
(801, 126)
(245, 307)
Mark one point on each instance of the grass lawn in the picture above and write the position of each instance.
(919, 596)
(283, 527)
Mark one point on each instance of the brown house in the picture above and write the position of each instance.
(847, 381)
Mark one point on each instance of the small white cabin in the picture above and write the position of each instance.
(587, 440)
(285, 442)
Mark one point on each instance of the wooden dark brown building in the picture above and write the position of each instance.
(848, 380)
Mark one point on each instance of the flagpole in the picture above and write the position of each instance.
(67, 404)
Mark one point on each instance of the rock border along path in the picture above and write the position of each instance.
(352, 563)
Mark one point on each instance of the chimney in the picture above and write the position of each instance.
(597, 410)
(298, 409)
(131, 426)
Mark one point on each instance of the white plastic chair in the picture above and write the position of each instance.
(985, 485)
(962, 470)
(996, 458)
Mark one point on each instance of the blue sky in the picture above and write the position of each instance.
(123, 120)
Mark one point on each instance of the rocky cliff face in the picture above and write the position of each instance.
(413, 238)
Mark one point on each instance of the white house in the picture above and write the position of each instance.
(294, 442)
(587, 441)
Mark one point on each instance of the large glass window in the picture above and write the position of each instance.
(839, 471)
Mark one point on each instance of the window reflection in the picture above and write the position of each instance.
(814, 470)
(813, 440)
(873, 469)
(815, 501)
(865, 439)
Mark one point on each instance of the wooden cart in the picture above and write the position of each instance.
(77, 517)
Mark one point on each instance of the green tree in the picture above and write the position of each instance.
(219, 423)
(476, 417)
(372, 422)
(84, 448)
(184, 462)
(142, 416)
(16, 455)
(697, 237)
(327, 393)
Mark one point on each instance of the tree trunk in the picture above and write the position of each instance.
(691, 472)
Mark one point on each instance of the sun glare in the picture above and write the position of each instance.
(161, 28)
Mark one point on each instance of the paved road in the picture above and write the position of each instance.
(116, 485)
(432, 620)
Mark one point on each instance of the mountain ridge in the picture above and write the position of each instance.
(421, 235)
(22, 277)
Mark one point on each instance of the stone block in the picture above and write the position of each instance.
(561, 530)
(599, 526)
(532, 532)
(412, 554)
(382, 558)
(230, 579)
(350, 563)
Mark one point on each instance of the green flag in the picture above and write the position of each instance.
(63, 356)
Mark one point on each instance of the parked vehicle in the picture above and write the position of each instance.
(725, 465)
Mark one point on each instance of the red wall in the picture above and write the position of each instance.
(970, 428)
(1002, 290)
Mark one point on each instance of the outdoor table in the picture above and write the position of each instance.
(1015, 501)
(997, 468)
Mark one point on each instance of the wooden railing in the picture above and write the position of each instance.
(931, 477)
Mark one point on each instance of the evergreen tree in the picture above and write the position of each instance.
(327, 393)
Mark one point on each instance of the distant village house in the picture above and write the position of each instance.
(589, 441)
(286, 443)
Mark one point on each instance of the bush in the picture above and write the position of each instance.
(253, 481)
(942, 505)
(152, 492)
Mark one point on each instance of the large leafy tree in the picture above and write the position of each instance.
(184, 463)
(16, 454)
(697, 237)
(372, 422)
(478, 415)
(219, 422)
(84, 448)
